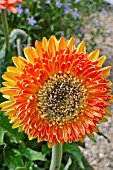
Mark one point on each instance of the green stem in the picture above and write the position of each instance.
(56, 157)
(19, 49)
(6, 31)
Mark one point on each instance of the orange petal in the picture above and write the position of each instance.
(108, 112)
(7, 91)
(81, 48)
(94, 55)
(39, 48)
(106, 71)
(52, 45)
(101, 60)
(5, 104)
(70, 44)
(19, 62)
(12, 9)
(44, 43)
(50, 144)
(29, 54)
(9, 84)
(111, 100)
(62, 43)
(16, 124)
(9, 76)
(10, 112)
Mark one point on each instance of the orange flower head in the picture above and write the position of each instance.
(59, 93)
(10, 4)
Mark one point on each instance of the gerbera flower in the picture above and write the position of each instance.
(10, 4)
(58, 93)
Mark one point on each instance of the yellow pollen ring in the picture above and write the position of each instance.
(61, 99)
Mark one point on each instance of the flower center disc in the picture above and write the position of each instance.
(61, 99)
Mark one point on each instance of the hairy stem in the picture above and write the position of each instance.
(56, 157)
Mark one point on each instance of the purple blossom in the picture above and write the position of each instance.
(26, 45)
(76, 1)
(19, 9)
(31, 21)
(27, 11)
(103, 12)
(67, 5)
(62, 33)
(74, 14)
(35, 0)
(58, 4)
(96, 24)
(15, 45)
(67, 8)
(47, 1)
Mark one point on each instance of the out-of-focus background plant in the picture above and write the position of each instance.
(83, 19)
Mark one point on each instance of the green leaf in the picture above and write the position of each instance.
(81, 144)
(69, 162)
(93, 139)
(101, 134)
(13, 158)
(31, 154)
(2, 133)
(74, 150)
(86, 164)
(32, 166)
(12, 133)
(21, 168)
(45, 150)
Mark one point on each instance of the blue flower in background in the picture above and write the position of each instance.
(26, 45)
(67, 8)
(27, 11)
(74, 14)
(19, 9)
(15, 45)
(35, 0)
(47, 1)
(103, 12)
(96, 24)
(76, 1)
(67, 5)
(58, 4)
(31, 21)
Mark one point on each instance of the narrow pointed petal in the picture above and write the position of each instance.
(94, 55)
(62, 43)
(29, 55)
(108, 112)
(39, 48)
(103, 120)
(70, 44)
(101, 60)
(81, 47)
(51, 45)
(5, 104)
(45, 43)
(106, 71)
(15, 125)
